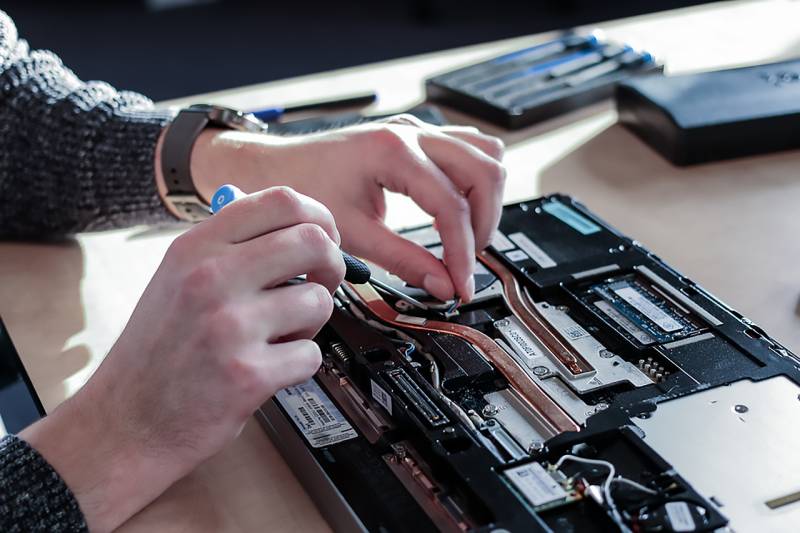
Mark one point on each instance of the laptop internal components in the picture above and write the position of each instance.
(559, 399)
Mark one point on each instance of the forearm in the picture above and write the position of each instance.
(109, 473)
(74, 156)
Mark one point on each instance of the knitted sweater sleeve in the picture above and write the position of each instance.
(74, 156)
(33, 497)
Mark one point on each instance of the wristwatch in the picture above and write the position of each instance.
(176, 152)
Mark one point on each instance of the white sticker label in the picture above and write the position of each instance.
(623, 321)
(315, 415)
(381, 396)
(649, 309)
(533, 481)
(680, 516)
(533, 250)
(516, 256)
(501, 243)
(519, 340)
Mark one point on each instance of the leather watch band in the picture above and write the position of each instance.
(176, 156)
(176, 153)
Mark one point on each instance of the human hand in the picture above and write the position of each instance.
(216, 333)
(453, 173)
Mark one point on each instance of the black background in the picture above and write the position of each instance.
(167, 53)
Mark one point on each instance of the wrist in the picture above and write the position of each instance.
(106, 470)
(251, 161)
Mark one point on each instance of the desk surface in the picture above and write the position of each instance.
(730, 226)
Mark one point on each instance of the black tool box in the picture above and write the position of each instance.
(536, 83)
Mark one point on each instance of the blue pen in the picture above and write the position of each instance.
(356, 271)
(515, 60)
(271, 114)
(508, 91)
(538, 69)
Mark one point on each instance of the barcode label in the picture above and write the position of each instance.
(381, 396)
(315, 415)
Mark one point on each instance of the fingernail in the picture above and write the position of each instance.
(437, 287)
(469, 291)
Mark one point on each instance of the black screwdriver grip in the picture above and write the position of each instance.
(356, 271)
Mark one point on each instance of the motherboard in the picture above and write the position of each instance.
(575, 392)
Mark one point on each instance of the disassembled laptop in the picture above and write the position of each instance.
(587, 387)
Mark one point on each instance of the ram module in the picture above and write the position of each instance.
(637, 311)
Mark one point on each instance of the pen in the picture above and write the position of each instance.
(356, 271)
(628, 59)
(507, 92)
(538, 69)
(516, 59)
(271, 114)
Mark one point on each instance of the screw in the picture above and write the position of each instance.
(399, 451)
(606, 354)
(501, 323)
(563, 308)
(739, 408)
(448, 430)
(535, 446)
(540, 371)
(644, 416)
(490, 409)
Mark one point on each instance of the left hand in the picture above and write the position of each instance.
(453, 173)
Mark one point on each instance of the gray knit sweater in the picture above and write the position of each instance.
(74, 156)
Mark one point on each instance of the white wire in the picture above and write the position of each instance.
(606, 485)
(632, 483)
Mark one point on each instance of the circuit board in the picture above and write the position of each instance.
(523, 409)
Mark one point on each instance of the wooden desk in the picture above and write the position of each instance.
(732, 226)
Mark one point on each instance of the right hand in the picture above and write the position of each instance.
(216, 333)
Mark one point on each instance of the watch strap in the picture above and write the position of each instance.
(176, 156)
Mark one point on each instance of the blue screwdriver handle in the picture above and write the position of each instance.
(356, 271)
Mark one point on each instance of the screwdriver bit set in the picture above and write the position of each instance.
(539, 82)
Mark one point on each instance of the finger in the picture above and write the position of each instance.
(289, 363)
(437, 195)
(479, 178)
(408, 260)
(267, 211)
(488, 144)
(293, 311)
(275, 258)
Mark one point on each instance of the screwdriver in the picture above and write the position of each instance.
(356, 271)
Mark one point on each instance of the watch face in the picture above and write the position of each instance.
(233, 119)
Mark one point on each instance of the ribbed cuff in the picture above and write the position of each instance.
(33, 497)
